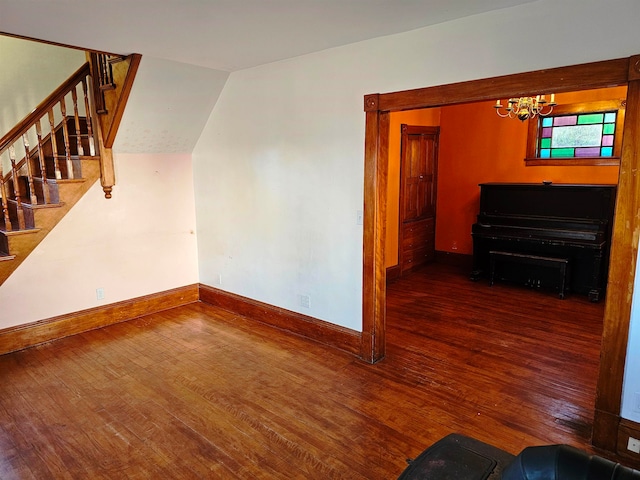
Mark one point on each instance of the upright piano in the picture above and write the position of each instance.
(570, 223)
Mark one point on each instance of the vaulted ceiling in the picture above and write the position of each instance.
(227, 35)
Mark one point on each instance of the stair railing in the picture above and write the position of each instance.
(39, 150)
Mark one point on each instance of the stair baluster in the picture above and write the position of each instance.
(32, 191)
(76, 117)
(54, 146)
(16, 189)
(89, 118)
(5, 206)
(43, 167)
(65, 136)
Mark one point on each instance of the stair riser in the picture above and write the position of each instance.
(4, 244)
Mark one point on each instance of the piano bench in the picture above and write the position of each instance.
(561, 265)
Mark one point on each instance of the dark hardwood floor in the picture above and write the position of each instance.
(197, 392)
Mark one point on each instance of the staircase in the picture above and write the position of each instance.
(53, 156)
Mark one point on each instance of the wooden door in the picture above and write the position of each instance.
(418, 168)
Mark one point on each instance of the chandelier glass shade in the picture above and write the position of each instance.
(524, 108)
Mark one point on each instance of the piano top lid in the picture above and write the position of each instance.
(570, 201)
(542, 185)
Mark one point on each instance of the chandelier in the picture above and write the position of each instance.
(524, 108)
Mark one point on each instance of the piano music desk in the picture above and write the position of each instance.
(561, 265)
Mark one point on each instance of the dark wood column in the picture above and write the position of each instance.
(622, 271)
(375, 204)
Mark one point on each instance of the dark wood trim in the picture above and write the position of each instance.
(628, 429)
(634, 68)
(605, 430)
(47, 104)
(393, 273)
(573, 162)
(624, 246)
(455, 259)
(608, 73)
(49, 42)
(376, 166)
(124, 74)
(622, 269)
(28, 335)
(323, 332)
(532, 157)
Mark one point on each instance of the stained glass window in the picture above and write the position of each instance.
(582, 135)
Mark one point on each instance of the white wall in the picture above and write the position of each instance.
(168, 107)
(141, 241)
(279, 166)
(30, 72)
(631, 385)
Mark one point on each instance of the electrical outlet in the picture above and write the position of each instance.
(305, 301)
(633, 445)
(359, 217)
(99, 293)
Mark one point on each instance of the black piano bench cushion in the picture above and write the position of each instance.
(562, 462)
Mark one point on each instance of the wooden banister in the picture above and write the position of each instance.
(36, 163)
(47, 104)
(55, 155)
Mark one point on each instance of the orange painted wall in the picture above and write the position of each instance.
(477, 146)
(429, 117)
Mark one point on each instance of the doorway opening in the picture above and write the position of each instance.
(378, 107)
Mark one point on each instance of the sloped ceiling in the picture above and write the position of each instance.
(226, 35)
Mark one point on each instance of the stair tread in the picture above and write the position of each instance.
(18, 232)
(26, 202)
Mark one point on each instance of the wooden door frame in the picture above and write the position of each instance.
(377, 107)
(404, 130)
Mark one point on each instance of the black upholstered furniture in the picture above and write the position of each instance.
(456, 457)
(562, 462)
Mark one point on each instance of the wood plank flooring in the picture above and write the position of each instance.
(197, 392)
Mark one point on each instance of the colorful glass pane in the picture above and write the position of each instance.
(565, 120)
(577, 136)
(607, 140)
(590, 118)
(587, 152)
(563, 152)
(582, 135)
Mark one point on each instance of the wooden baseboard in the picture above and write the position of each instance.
(455, 259)
(393, 273)
(605, 430)
(323, 332)
(22, 336)
(627, 429)
(445, 258)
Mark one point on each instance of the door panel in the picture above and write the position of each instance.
(418, 168)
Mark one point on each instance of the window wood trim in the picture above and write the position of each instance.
(532, 159)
